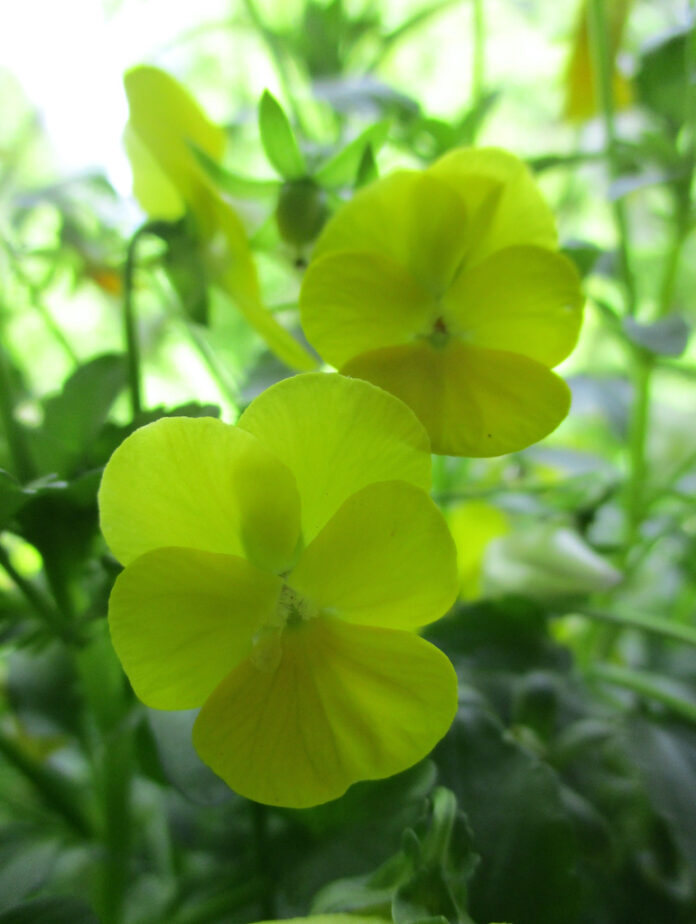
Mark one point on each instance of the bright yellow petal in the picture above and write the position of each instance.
(344, 703)
(501, 198)
(385, 558)
(201, 484)
(353, 302)
(157, 195)
(165, 117)
(337, 435)
(472, 401)
(474, 524)
(410, 217)
(181, 620)
(523, 299)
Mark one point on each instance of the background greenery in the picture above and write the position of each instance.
(566, 789)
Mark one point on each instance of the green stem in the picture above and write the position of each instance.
(130, 326)
(645, 684)
(669, 278)
(664, 628)
(597, 28)
(116, 773)
(259, 815)
(19, 451)
(478, 58)
(639, 428)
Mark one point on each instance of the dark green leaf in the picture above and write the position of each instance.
(26, 861)
(278, 139)
(12, 497)
(662, 80)
(583, 254)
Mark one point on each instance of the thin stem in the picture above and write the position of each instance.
(645, 684)
(664, 628)
(639, 428)
(130, 326)
(597, 28)
(478, 59)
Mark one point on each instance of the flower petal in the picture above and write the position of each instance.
(472, 401)
(182, 619)
(202, 484)
(501, 198)
(385, 558)
(165, 117)
(344, 703)
(352, 302)
(523, 299)
(337, 435)
(157, 195)
(410, 217)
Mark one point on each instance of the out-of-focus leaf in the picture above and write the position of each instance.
(50, 911)
(662, 79)
(241, 187)
(666, 337)
(342, 168)
(26, 861)
(278, 139)
(367, 170)
(584, 255)
(73, 418)
(182, 766)
(514, 805)
(42, 690)
(12, 497)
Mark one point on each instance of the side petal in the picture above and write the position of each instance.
(201, 484)
(181, 620)
(166, 118)
(157, 195)
(337, 435)
(410, 217)
(523, 299)
(472, 401)
(385, 558)
(344, 703)
(501, 197)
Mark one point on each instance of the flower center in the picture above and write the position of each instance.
(293, 609)
(439, 335)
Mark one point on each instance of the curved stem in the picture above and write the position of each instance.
(130, 326)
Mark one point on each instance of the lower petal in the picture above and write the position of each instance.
(344, 703)
(472, 401)
(182, 619)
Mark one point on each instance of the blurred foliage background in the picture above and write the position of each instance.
(566, 789)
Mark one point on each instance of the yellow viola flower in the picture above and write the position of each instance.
(444, 287)
(164, 120)
(474, 524)
(581, 101)
(275, 572)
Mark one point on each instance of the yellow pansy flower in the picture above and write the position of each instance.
(275, 572)
(444, 287)
(168, 182)
(474, 524)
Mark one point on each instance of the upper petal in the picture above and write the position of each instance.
(409, 216)
(523, 299)
(344, 703)
(503, 202)
(337, 435)
(472, 401)
(357, 301)
(385, 558)
(181, 620)
(199, 483)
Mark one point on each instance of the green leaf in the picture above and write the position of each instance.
(26, 861)
(584, 255)
(50, 911)
(662, 80)
(666, 337)
(278, 139)
(12, 497)
(342, 169)
(525, 839)
(367, 170)
(73, 418)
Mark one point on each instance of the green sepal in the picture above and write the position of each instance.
(278, 139)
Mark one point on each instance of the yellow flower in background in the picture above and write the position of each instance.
(275, 572)
(168, 183)
(444, 287)
(474, 524)
(581, 100)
